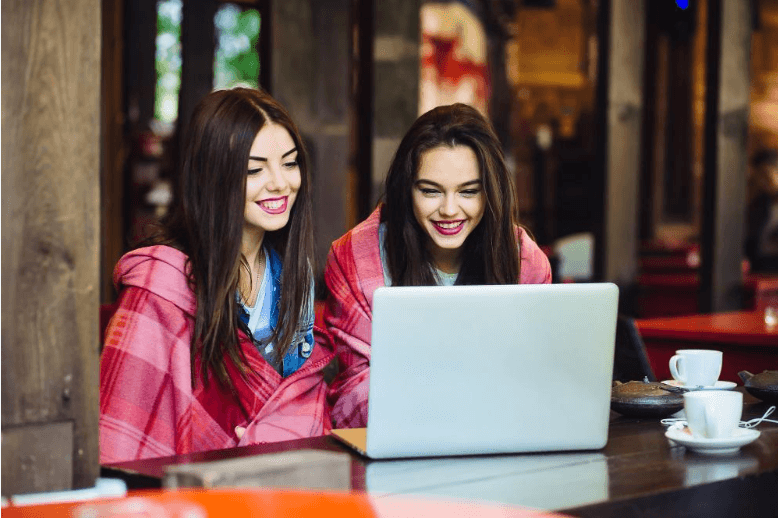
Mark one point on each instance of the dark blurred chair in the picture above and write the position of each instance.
(630, 361)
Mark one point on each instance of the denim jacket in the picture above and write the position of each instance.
(302, 343)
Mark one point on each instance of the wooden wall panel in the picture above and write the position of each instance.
(309, 58)
(763, 123)
(724, 180)
(396, 41)
(50, 227)
(625, 104)
(29, 468)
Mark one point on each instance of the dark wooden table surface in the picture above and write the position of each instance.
(638, 473)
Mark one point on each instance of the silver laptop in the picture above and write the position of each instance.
(467, 370)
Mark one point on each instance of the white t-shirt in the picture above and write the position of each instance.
(444, 279)
(259, 313)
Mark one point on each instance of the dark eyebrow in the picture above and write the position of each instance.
(466, 184)
(263, 159)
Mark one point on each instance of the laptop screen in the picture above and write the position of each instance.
(490, 369)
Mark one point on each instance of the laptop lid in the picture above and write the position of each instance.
(462, 370)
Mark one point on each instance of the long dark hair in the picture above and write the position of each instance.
(491, 252)
(206, 222)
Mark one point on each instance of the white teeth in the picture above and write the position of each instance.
(449, 225)
(275, 204)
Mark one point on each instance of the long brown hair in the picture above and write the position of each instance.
(207, 218)
(491, 251)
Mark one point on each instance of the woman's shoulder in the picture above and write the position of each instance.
(160, 269)
(150, 257)
(355, 258)
(364, 235)
(162, 252)
(535, 266)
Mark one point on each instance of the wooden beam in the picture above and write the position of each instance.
(624, 112)
(114, 147)
(726, 132)
(51, 236)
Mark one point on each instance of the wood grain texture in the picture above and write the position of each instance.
(625, 101)
(29, 468)
(50, 227)
(309, 58)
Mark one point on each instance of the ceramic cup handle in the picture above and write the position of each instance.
(675, 370)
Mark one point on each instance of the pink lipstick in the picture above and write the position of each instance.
(449, 228)
(274, 205)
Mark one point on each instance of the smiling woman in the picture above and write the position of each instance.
(273, 180)
(448, 202)
(212, 343)
(450, 217)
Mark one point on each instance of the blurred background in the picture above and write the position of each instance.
(642, 137)
(356, 73)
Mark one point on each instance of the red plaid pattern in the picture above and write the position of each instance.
(147, 405)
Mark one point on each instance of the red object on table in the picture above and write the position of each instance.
(746, 341)
(238, 503)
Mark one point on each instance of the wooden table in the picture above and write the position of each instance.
(747, 343)
(638, 473)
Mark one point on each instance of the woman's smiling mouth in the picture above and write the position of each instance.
(274, 205)
(449, 228)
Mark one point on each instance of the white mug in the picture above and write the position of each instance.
(713, 414)
(696, 367)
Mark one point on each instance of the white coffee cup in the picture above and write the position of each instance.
(713, 414)
(696, 367)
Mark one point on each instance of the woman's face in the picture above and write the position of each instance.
(273, 180)
(448, 201)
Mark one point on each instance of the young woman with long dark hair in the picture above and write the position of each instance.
(212, 343)
(450, 216)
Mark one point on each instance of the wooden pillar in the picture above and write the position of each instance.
(310, 77)
(500, 102)
(198, 47)
(623, 136)
(395, 81)
(328, 129)
(726, 132)
(139, 66)
(50, 253)
(114, 146)
(265, 44)
(361, 175)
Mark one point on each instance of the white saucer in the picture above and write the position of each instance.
(722, 446)
(719, 385)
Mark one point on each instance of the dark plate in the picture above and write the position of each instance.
(766, 395)
(646, 408)
(646, 399)
(763, 386)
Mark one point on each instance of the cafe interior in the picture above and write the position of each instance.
(642, 137)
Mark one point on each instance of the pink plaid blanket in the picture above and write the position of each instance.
(147, 405)
(353, 273)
